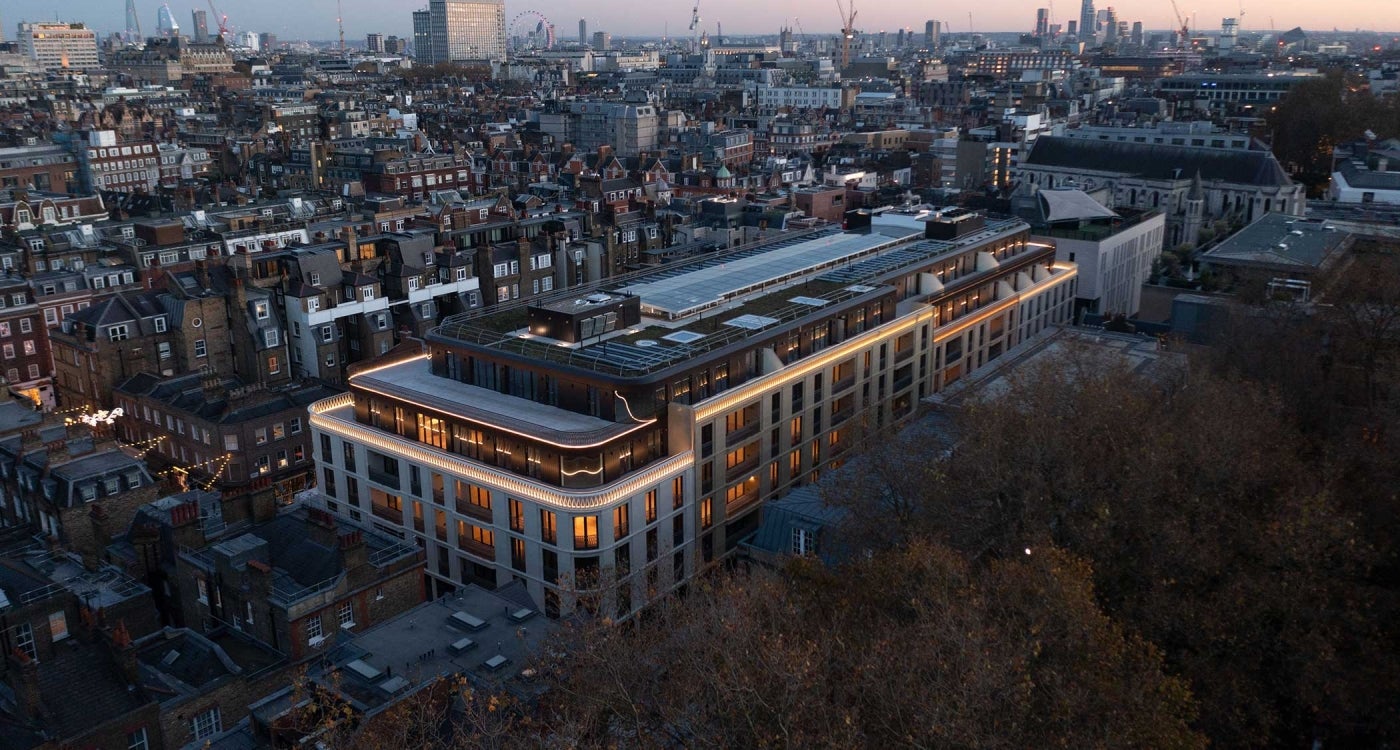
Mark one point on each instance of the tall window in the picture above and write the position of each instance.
(620, 521)
(585, 532)
(24, 640)
(314, 633)
(432, 431)
(651, 505)
(549, 531)
(346, 615)
(207, 724)
(517, 515)
(136, 740)
(804, 542)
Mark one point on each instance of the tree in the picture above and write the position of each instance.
(1213, 528)
(913, 647)
(1322, 113)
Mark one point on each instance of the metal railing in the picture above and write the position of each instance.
(287, 595)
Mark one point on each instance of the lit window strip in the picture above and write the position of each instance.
(637, 425)
(324, 417)
(758, 386)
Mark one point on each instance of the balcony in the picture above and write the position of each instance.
(742, 433)
(379, 477)
(473, 510)
(393, 515)
(477, 549)
(745, 466)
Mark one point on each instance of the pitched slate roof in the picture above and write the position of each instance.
(1159, 162)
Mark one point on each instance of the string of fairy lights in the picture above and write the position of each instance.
(212, 467)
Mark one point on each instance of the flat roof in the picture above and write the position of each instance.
(426, 642)
(1280, 241)
(693, 291)
(413, 380)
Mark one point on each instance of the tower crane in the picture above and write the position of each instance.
(848, 30)
(695, 22)
(1185, 29)
(340, 24)
(220, 18)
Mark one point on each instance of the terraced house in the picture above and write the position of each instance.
(602, 445)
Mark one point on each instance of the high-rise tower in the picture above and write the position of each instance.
(1042, 22)
(165, 23)
(133, 22)
(201, 25)
(1088, 21)
(463, 31)
(583, 31)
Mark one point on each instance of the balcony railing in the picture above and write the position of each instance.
(472, 546)
(386, 479)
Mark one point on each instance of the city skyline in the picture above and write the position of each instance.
(317, 20)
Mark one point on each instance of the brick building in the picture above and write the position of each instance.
(220, 433)
(24, 343)
(295, 581)
(67, 629)
(40, 167)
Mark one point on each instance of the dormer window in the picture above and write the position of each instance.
(315, 279)
(261, 311)
(270, 337)
(111, 485)
(160, 324)
(367, 292)
(117, 333)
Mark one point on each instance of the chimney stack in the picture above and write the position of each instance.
(96, 548)
(25, 682)
(125, 653)
(322, 527)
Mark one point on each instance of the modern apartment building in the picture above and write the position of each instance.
(460, 31)
(627, 433)
(59, 46)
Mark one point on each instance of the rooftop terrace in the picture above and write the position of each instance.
(694, 307)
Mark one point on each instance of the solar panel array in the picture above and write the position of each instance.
(695, 289)
(630, 356)
(871, 268)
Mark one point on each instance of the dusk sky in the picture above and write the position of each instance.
(315, 19)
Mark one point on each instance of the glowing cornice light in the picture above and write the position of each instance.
(325, 418)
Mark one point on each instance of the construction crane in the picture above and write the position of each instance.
(848, 30)
(1185, 29)
(340, 24)
(695, 23)
(220, 18)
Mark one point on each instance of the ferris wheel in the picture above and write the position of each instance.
(531, 30)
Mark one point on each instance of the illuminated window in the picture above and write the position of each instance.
(548, 527)
(620, 521)
(432, 431)
(585, 532)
